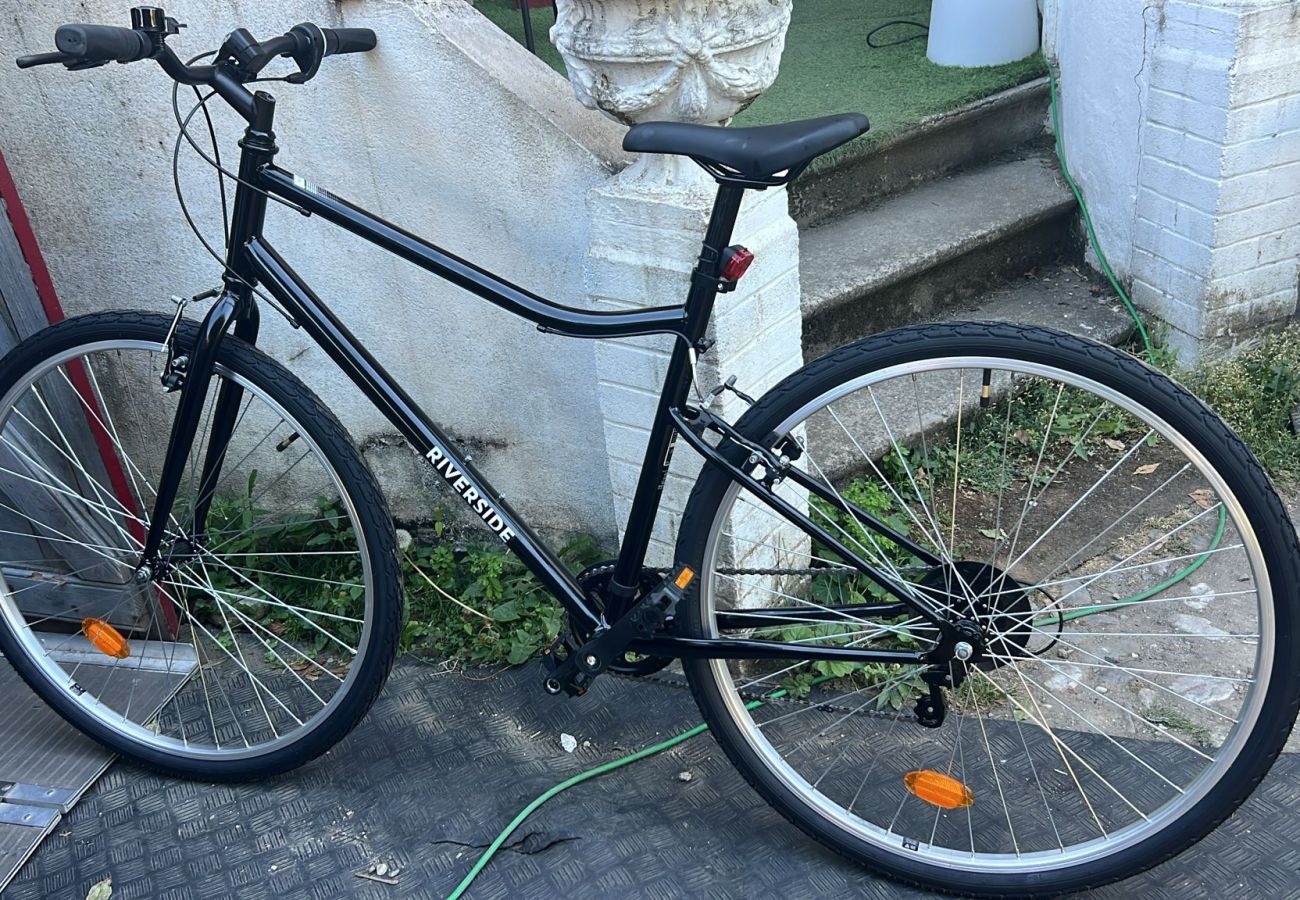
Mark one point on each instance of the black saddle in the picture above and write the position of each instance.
(758, 157)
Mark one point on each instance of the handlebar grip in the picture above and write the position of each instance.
(349, 40)
(102, 43)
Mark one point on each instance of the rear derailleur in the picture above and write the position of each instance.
(960, 650)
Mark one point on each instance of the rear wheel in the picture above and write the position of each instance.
(1131, 571)
(266, 636)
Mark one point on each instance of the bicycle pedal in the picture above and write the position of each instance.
(562, 674)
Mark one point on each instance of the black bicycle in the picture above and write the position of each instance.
(989, 608)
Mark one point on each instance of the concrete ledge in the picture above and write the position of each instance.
(934, 146)
(915, 255)
(1058, 297)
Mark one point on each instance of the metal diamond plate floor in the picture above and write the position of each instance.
(445, 760)
(46, 764)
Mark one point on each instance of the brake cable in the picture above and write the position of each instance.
(222, 174)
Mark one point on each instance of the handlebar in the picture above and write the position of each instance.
(349, 40)
(238, 61)
(103, 43)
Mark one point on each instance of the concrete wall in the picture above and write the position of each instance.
(449, 129)
(1182, 125)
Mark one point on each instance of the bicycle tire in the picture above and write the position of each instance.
(767, 421)
(378, 641)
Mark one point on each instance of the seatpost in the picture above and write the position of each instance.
(705, 282)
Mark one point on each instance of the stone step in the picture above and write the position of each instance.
(933, 147)
(916, 255)
(1058, 296)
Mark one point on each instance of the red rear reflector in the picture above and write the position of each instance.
(737, 263)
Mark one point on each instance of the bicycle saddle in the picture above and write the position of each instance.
(768, 154)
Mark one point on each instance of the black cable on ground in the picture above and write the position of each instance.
(925, 30)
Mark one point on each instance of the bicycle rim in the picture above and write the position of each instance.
(1119, 585)
(257, 630)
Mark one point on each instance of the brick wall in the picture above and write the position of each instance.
(647, 226)
(1206, 222)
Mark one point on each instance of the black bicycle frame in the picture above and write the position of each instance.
(252, 260)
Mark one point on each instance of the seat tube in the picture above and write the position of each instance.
(663, 435)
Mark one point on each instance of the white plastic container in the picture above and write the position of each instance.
(982, 32)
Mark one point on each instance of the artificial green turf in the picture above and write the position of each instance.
(828, 68)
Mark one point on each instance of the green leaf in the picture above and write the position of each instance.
(506, 612)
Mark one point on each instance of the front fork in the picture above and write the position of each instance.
(233, 306)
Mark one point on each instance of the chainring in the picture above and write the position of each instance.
(594, 581)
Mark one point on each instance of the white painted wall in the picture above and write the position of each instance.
(1182, 125)
(1101, 51)
(449, 129)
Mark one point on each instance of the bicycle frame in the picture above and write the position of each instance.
(253, 260)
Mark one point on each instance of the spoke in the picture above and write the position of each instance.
(1056, 697)
(98, 488)
(106, 513)
(90, 410)
(131, 469)
(94, 548)
(242, 664)
(1136, 553)
(270, 649)
(881, 558)
(1029, 489)
(993, 765)
(1136, 673)
(879, 688)
(1062, 749)
(1082, 499)
(275, 601)
(1105, 531)
(945, 552)
(220, 596)
(1003, 480)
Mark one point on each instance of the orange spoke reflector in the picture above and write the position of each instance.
(938, 788)
(684, 577)
(107, 639)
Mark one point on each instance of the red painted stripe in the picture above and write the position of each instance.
(22, 227)
(27, 241)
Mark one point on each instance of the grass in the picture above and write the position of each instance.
(465, 599)
(1255, 393)
(1175, 721)
(828, 68)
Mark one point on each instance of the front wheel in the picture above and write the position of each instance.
(1132, 573)
(262, 638)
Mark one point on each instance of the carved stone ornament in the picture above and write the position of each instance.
(671, 60)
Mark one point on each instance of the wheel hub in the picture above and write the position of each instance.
(1000, 608)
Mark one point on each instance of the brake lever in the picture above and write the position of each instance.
(43, 59)
(309, 53)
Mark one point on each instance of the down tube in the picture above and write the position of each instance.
(424, 436)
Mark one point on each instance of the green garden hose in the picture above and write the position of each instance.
(532, 807)
(668, 744)
(1145, 595)
(1087, 222)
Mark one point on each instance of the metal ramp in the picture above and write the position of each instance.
(46, 764)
